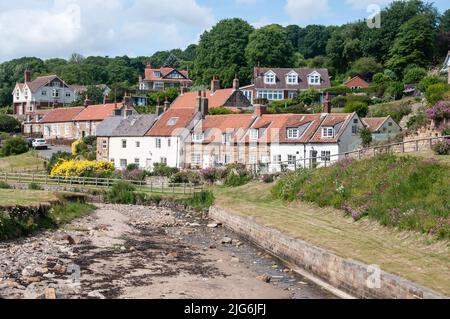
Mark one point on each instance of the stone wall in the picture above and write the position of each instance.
(345, 274)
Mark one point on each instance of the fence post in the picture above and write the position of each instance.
(184, 189)
(431, 142)
(417, 146)
(151, 186)
(403, 147)
(6, 177)
(374, 151)
(59, 180)
(46, 179)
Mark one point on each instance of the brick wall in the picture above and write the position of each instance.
(345, 274)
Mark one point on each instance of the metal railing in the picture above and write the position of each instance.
(151, 186)
(416, 145)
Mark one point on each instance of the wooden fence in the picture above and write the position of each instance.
(151, 186)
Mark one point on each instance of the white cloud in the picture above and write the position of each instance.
(246, 1)
(307, 11)
(57, 28)
(364, 4)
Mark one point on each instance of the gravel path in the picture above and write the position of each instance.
(144, 252)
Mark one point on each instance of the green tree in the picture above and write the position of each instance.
(14, 146)
(220, 52)
(414, 75)
(94, 93)
(8, 124)
(308, 97)
(366, 137)
(360, 108)
(414, 44)
(344, 46)
(270, 46)
(429, 80)
(437, 92)
(444, 33)
(313, 40)
(366, 67)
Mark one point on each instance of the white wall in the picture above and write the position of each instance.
(351, 142)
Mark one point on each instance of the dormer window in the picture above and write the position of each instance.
(328, 132)
(254, 134)
(172, 121)
(292, 78)
(197, 137)
(17, 94)
(226, 138)
(156, 74)
(293, 133)
(269, 78)
(314, 78)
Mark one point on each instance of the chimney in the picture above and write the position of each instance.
(198, 102)
(127, 101)
(327, 104)
(148, 66)
(205, 105)
(106, 99)
(27, 75)
(166, 104)
(215, 84)
(87, 102)
(236, 83)
(184, 89)
(260, 110)
(159, 108)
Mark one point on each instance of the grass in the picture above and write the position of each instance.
(27, 161)
(429, 154)
(420, 258)
(12, 197)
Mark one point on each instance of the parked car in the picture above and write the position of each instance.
(40, 144)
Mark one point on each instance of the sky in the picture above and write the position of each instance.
(58, 28)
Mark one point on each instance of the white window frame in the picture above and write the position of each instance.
(197, 137)
(325, 156)
(137, 161)
(172, 121)
(163, 160)
(196, 159)
(293, 133)
(158, 142)
(270, 78)
(104, 144)
(314, 78)
(292, 78)
(254, 134)
(123, 163)
(124, 143)
(277, 158)
(158, 85)
(292, 159)
(43, 93)
(328, 132)
(271, 95)
(226, 138)
(169, 142)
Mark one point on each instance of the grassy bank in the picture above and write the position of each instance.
(420, 258)
(23, 211)
(27, 161)
(406, 192)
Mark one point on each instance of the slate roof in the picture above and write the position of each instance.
(338, 121)
(149, 75)
(281, 74)
(135, 125)
(108, 125)
(40, 82)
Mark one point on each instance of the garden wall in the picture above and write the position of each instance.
(345, 274)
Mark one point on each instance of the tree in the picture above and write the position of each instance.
(427, 81)
(293, 33)
(14, 146)
(414, 75)
(270, 46)
(394, 90)
(171, 62)
(76, 58)
(444, 33)
(414, 44)
(366, 137)
(8, 124)
(366, 67)
(344, 46)
(220, 52)
(94, 93)
(437, 92)
(313, 40)
(308, 97)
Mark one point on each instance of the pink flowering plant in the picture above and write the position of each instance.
(440, 112)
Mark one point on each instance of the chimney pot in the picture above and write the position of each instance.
(27, 75)
(106, 99)
(87, 101)
(215, 84)
(236, 84)
(260, 110)
(327, 104)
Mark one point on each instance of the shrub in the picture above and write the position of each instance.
(209, 175)
(57, 158)
(136, 174)
(439, 112)
(417, 121)
(34, 187)
(437, 92)
(267, 178)
(9, 124)
(83, 168)
(236, 175)
(339, 90)
(163, 170)
(220, 111)
(122, 193)
(442, 147)
(339, 101)
(4, 185)
(14, 146)
(201, 200)
(366, 137)
(397, 110)
(308, 97)
(186, 177)
(394, 90)
(132, 167)
(414, 75)
(360, 108)
(428, 81)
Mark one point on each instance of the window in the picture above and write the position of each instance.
(17, 94)
(354, 129)
(254, 134)
(314, 79)
(158, 143)
(124, 143)
(227, 159)
(270, 94)
(44, 93)
(112, 160)
(56, 84)
(172, 121)
(123, 163)
(253, 159)
(67, 128)
(269, 78)
(156, 74)
(138, 144)
(137, 161)
(196, 159)
(163, 160)
(277, 158)
(292, 78)
(104, 144)
(158, 85)
(293, 133)
(169, 142)
(226, 138)
(292, 94)
(390, 124)
(67, 94)
(328, 132)
(325, 156)
(55, 93)
(355, 121)
(197, 137)
(292, 159)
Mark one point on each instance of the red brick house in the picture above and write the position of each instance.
(163, 78)
(356, 83)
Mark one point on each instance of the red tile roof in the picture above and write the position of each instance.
(216, 99)
(374, 123)
(214, 126)
(98, 112)
(181, 118)
(63, 114)
(273, 127)
(338, 121)
(356, 82)
(149, 75)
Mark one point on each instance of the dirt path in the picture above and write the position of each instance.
(144, 252)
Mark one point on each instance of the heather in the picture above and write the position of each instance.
(404, 192)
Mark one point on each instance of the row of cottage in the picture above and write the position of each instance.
(184, 135)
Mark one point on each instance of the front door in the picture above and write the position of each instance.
(148, 164)
(313, 159)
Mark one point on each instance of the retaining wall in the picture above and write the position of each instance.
(345, 274)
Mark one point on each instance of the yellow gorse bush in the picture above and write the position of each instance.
(77, 168)
(75, 146)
